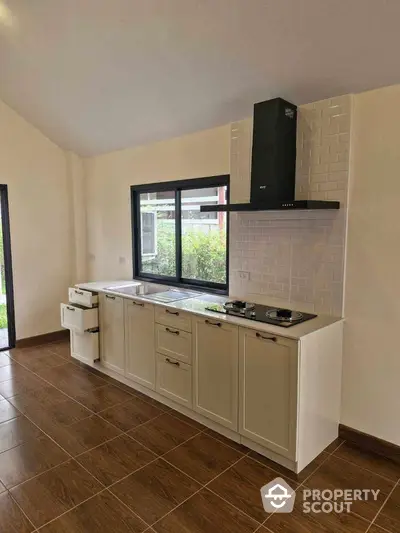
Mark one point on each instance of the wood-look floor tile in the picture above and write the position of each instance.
(12, 520)
(115, 459)
(371, 461)
(130, 414)
(389, 517)
(102, 398)
(13, 372)
(7, 411)
(43, 396)
(49, 495)
(374, 529)
(229, 442)
(336, 473)
(5, 360)
(203, 457)
(188, 420)
(241, 484)
(64, 413)
(299, 522)
(334, 445)
(285, 472)
(154, 490)
(83, 435)
(163, 433)
(29, 459)
(20, 385)
(206, 513)
(15, 432)
(37, 358)
(70, 379)
(101, 514)
(63, 349)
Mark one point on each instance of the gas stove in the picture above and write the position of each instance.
(261, 313)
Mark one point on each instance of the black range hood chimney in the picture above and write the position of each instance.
(273, 162)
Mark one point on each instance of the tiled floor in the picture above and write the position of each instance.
(80, 453)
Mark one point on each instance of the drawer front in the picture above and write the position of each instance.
(85, 346)
(174, 343)
(174, 380)
(81, 297)
(175, 319)
(78, 318)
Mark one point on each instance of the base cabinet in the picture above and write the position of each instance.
(174, 380)
(216, 371)
(268, 369)
(112, 333)
(140, 357)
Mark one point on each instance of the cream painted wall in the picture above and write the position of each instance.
(110, 176)
(371, 371)
(36, 174)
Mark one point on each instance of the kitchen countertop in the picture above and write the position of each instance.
(197, 306)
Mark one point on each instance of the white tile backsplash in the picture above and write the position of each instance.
(296, 257)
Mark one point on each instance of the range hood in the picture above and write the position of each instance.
(273, 162)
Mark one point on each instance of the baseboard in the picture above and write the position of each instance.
(47, 338)
(371, 443)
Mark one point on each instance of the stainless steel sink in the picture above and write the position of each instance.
(172, 295)
(153, 291)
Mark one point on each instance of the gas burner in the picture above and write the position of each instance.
(238, 306)
(284, 315)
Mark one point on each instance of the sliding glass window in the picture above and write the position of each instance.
(176, 243)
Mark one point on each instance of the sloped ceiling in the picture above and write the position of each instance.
(101, 75)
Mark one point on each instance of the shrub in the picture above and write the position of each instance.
(203, 254)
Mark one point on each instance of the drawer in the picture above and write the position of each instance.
(173, 318)
(78, 318)
(174, 380)
(81, 297)
(174, 343)
(85, 346)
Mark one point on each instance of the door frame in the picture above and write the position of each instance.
(8, 271)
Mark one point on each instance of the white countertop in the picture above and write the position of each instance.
(197, 306)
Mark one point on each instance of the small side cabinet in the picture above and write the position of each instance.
(112, 346)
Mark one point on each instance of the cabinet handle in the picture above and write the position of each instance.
(175, 363)
(273, 339)
(175, 332)
(110, 297)
(137, 303)
(70, 308)
(78, 292)
(172, 312)
(218, 324)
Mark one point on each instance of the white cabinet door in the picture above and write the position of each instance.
(112, 346)
(216, 371)
(140, 357)
(268, 370)
(174, 380)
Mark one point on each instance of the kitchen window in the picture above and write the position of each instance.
(173, 241)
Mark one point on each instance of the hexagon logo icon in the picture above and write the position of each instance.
(278, 497)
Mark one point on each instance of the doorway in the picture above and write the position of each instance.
(7, 318)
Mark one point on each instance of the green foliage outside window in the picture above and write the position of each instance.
(203, 254)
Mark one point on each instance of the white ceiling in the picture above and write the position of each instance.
(100, 75)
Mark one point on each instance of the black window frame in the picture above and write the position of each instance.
(177, 187)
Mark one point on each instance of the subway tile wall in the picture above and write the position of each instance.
(295, 258)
